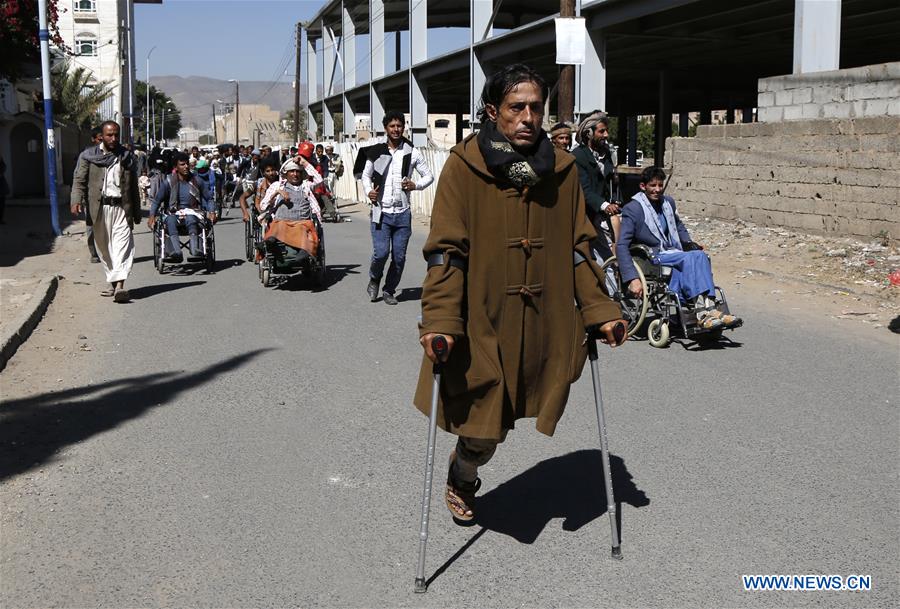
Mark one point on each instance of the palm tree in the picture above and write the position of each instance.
(75, 98)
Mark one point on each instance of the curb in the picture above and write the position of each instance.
(28, 321)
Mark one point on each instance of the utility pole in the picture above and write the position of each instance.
(297, 86)
(130, 78)
(237, 115)
(215, 131)
(147, 107)
(566, 91)
(44, 37)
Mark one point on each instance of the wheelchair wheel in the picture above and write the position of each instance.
(320, 272)
(658, 333)
(157, 255)
(211, 256)
(634, 309)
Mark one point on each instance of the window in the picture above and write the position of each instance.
(85, 6)
(441, 123)
(86, 45)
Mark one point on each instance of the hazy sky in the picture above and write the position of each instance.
(242, 39)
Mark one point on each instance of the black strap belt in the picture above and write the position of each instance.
(111, 200)
(437, 259)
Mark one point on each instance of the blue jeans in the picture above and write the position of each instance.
(391, 236)
(193, 229)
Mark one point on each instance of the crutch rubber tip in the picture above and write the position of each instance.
(421, 586)
(617, 553)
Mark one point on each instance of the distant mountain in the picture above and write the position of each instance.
(194, 96)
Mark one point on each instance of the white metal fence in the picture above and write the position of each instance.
(348, 187)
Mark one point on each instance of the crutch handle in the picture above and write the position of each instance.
(619, 331)
(440, 347)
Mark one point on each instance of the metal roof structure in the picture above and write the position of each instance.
(643, 56)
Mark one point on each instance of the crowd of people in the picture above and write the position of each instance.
(521, 226)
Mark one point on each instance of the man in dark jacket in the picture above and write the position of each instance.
(106, 181)
(596, 172)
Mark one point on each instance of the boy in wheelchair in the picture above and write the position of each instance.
(185, 202)
(291, 215)
(650, 219)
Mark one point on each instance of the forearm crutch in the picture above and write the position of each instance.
(439, 347)
(593, 337)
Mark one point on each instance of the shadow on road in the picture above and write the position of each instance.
(716, 343)
(27, 231)
(336, 273)
(147, 291)
(409, 294)
(33, 429)
(569, 487)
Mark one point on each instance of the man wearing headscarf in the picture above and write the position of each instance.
(106, 178)
(561, 136)
(596, 172)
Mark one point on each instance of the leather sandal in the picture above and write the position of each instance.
(729, 321)
(108, 293)
(459, 496)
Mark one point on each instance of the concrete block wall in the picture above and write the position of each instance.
(854, 92)
(829, 176)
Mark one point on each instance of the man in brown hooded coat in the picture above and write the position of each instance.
(509, 258)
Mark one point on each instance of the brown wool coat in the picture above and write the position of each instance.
(87, 186)
(519, 336)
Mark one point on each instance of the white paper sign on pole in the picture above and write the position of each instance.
(571, 34)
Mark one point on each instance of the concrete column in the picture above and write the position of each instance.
(632, 141)
(376, 65)
(663, 126)
(327, 122)
(312, 62)
(621, 138)
(683, 124)
(348, 47)
(480, 15)
(590, 79)
(329, 55)
(817, 35)
(418, 53)
(348, 54)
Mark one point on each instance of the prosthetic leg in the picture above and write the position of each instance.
(439, 346)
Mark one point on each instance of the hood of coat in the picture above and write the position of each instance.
(469, 152)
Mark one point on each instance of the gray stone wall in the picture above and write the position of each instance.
(850, 93)
(835, 176)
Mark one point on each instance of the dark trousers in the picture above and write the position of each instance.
(390, 237)
(89, 233)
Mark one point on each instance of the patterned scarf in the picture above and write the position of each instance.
(506, 163)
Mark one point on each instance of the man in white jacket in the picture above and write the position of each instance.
(387, 178)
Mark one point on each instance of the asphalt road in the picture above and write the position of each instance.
(236, 446)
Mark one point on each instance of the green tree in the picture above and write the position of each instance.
(289, 122)
(75, 97)
(158, 101)
(645, 135)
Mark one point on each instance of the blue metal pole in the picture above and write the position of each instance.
(50, 138)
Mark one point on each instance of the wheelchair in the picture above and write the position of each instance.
(206, 236)
(668, 317)
(252, 236)
(277, 258)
